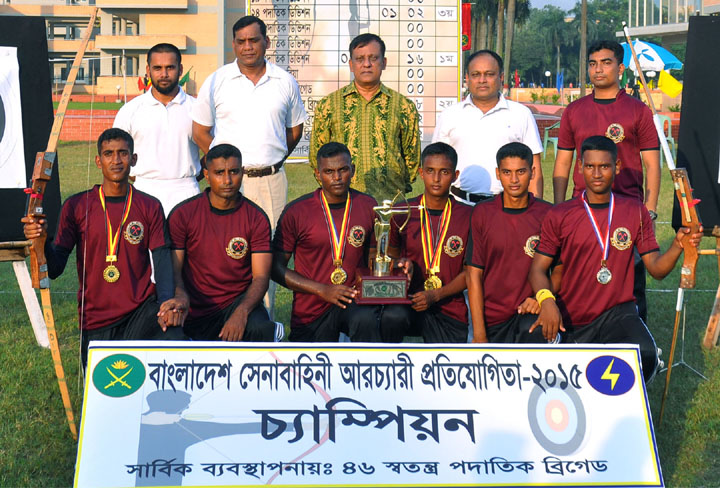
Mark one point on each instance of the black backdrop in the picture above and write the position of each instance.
(28, 34)
(699, 138)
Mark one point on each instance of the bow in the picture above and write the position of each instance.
(42, 171)
(690, 219)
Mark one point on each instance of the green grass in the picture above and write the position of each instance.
(36, 448)
(88, 105)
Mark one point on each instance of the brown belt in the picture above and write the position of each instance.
(264, 171)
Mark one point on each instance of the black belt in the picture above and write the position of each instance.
(470, 197)
(264, 171)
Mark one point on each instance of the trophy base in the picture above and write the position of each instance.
(383, 290)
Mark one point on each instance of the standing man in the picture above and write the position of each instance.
(594, 236)
(433, 246)
(479, 125)
(329, 233)
(254, 105)
(221, 255)
(112, 228)
(504, 234)
(159, 121)
(609, 111)
(377, 124)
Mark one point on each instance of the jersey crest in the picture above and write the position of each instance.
(454, 246)
(134, 232)
(356, 236)
(621, 239)
(531, 244)
(237, 248)
(615, 132)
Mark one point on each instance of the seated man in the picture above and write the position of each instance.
(504, 234)
(594, 235)
(113, 227)
(329, 233)
(221, 255)
(433, 247)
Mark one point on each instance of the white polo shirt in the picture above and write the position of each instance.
(162, 135)
(477, 136)
(251, 117)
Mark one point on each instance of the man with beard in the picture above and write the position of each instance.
(159, 122)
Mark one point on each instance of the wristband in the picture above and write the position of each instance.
(543, 295)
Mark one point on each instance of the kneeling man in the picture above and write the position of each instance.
(113, 226)
(593, 235)
(329, 233)
(504, 234)
(432, 246)
(221, 255)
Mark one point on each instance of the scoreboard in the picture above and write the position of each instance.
(310, 39)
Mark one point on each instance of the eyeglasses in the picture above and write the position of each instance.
(362, 59)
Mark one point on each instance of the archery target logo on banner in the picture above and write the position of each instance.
(557, 419)
(12, 148)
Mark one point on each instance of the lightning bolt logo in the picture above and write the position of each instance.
(609, 375)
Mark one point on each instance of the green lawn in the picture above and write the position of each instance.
(36, 448)
(89, 105)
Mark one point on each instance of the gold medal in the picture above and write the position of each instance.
(433, 282)
(111, 274)
(338, 276)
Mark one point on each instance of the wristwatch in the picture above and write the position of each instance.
(653, 214)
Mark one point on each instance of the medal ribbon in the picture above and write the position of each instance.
(337, 241)
(606, 246)
(112, 241)
(431, 248)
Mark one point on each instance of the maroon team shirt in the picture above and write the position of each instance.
(218, 247)
(303, 231)
(502, 244)
(627, 121)
(567, 233)
(453, 251)
(82, 224)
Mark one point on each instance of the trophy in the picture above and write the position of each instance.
(385, 285)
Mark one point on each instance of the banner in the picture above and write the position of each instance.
(12, 149)
(466, 26)
(219, 414)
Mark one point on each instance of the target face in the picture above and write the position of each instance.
(557, 419)
(12, 152)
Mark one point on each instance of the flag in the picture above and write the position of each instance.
(669, 85)
(559, 81)
(185, 77)
(517, 80)
(466, 26)
(624, 79)
(141, 83)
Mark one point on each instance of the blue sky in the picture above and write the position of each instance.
(563, 4)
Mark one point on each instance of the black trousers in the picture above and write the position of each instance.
(434, 326)
(361, 323)
(516, 331)
(621, 324)
(139, 325)
(259, 327)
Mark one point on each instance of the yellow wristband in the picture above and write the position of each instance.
(543, 295)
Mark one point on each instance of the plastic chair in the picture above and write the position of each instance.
(550, 140)
(668, 135)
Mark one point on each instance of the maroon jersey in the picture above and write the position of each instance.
(82, 224)
(625, 120)
(502, 244)
(218, 245)
(452, 256)
(567, 232)
(303, 231)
